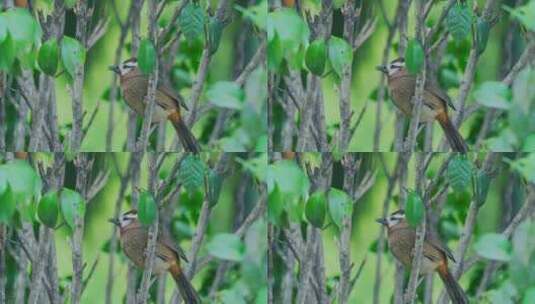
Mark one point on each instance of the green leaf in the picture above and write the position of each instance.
(296, 59)
(483, 29)
(215, 30)
(257, 166)
(72, 55)
(525, 14)
(291, 180)
(414, 56)
(493, 94)
(295, 208)
(521, 268)
(24, 181)
(289, 26)
(458, 21)
(275, 53)
(529, 143)
(8, 51)
(524, 90)
(504, 142)
(524, 243)
(315, 209)
(70, 3)
(47, 210)
(215, 181)
(340, 206)
(459, 172)
(493, 246)
(72, 205)
(8, 203)
(481, 182)
(275, 205)
(146, 56)
(521, 122)
(226, 94)
(191, 21)
(339, 3)
(28, 59)
(48, 57)
(226, 246)
(147, 209)
(529, 296)
(256, 13)
(414, 209)
(24, 29)
(340, 54)
(3, 27)
(315, 57)
(191, 173)
(525, 166)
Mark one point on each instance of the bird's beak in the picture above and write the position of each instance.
(382, 68)
(114, 221)
(381, 221)
(114, 68)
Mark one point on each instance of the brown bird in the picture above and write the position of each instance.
(133, 238)
(401, 85)
(401, 237)
(134, 86)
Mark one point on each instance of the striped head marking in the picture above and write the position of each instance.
(393, 219)
(125, 67)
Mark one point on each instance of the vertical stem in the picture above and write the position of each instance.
(82, 15)
(350, 19)
(82, 164)
(349, 163)
(417, 102)
(143, 139)
(3, 101)
(38, 267)
(410, 294)
(2, 265)
(150, 250)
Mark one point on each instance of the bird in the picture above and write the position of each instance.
(401, 238)
(134, 86)
(133, 238)
(401, 86)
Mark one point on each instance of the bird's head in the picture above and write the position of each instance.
(125, 67)
(393, 219)
(125, 219)
(393, 67)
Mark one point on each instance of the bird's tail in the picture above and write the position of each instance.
(188, 293)
(454, 138)
(455, 292)
(187, 139)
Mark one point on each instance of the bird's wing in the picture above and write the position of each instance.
(167, 240)
(434, 241)
(434, 88)
(179, 101)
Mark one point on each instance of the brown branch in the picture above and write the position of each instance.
(150, 250)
